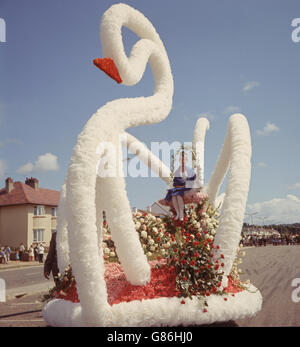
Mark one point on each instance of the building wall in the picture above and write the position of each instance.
(46, 222)
(18, 222)
(13, 225)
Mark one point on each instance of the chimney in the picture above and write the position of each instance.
(9, 184)
(32, 182)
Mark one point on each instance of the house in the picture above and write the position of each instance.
(27, 213)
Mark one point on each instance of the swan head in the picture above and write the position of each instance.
(109, 67)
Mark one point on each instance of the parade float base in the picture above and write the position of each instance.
(155, 304)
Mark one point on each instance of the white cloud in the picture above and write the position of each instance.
(250, 85)
(262, 164)
(232, 109)
(2, 168)
(25, 169)
(295, 186)
(277, 210)
(268, 129)
(45, 162)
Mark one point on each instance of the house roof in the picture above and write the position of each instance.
(22, 193)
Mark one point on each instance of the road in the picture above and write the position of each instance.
(25, 280)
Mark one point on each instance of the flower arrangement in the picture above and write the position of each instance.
(198, 267)
(152, 233)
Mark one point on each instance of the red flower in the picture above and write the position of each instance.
(218, 247)
(205, 244)
(205, 232)
(196, 285)
(182, 254)
(225, 299)
(214, 289)
(208, 266)
(182, 302)
(202, 268)
(192, 262)
(222, 264)
(175, 250)
(222, 256)
(205, 310)
(196, 255)
(158, 258)
(184, 278)
(217, 266)
(183, 261)
(167, 234)
(219, 284)
(207, 294)
(158, 239)
(195, 243)
(198, 235)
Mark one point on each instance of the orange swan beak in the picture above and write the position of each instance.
(109, 67)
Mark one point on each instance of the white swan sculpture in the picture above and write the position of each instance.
(84, 195)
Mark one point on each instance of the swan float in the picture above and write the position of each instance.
(85, 195)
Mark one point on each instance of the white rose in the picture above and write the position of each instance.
(163, 252)
(144, 227)
(106, 250)
(152, 248)
(149, 254)
(155, 230)
(213, 232)
(158, 220)
(137, 225)
(151, 242)
(112, 254)
(142, 220)
(144, 234)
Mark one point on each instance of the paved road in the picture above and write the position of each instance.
(25, 280)
(23, 312)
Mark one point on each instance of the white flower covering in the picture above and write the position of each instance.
(162, 311)
(235, 157)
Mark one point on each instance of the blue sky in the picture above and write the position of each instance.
(226, 56)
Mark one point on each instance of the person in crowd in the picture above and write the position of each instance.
(21, 251)
(51, 260)
(7, 253)
(17, 257)
(31, 253)
(36, 252)
(41, 250)
(2, 256)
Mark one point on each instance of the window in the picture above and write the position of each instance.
(39, 210)
(38, 235)
(53, 211)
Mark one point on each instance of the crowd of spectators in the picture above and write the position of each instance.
(34, 253)
(275, 240)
